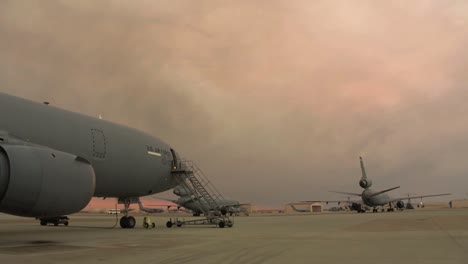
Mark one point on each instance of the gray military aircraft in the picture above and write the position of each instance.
(376, 199)
(53, 161)
(299, 210)
(148, 209)
(187, 201)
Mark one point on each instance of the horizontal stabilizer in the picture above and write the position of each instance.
(384, 191)
(347, 193)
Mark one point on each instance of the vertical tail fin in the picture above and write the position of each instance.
(363, 170)
(364, 182)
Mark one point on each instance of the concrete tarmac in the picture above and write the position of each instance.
(413, 236)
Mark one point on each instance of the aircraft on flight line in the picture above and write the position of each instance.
(194, 204)
(373, 199)
(148, 209)
(53, 161)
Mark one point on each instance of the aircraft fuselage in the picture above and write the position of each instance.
(126, 161)
(374, 201)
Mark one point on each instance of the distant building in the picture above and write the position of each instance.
(304, 207)
(459, 203)
(248, 208)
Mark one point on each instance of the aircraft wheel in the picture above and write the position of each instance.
(230, 224)
(221, 224)
(145, 225)
(123, 222)
(66, 223)
(169, 224)
(43, 223)
(131, 222)
(55, 224)
(153, 225)
(127, 222)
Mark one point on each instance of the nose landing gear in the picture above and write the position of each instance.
(127, 221)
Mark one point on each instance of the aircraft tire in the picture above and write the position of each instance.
(221, 224)
(131, 222)
(43, 223)
(127, 222)
(66, 223)
(169, 224)
(145, 225)
(123, 222)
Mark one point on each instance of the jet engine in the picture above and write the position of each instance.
(181, 191)
(42, 182)
(400, 204)
(355, 207)
(365, 183)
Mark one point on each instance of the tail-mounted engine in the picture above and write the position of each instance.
(365, 183)
(42, 182)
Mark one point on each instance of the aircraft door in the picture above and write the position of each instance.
(99, 143)
(175, 161)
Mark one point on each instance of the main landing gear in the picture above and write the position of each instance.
(127, 221)
(54, 220)
(375, 210)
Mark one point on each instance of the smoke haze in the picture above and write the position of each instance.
(275, 100)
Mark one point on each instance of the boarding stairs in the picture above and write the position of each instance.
(194, 181)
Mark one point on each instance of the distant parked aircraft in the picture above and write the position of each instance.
(375, 199)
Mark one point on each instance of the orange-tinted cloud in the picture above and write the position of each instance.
(274, 99)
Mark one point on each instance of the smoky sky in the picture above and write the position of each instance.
(274, 100)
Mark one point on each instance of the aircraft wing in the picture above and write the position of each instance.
(384, 191)
(234, 204)
(347, 193)
(169, 200)
(420, 196)
(325, 201)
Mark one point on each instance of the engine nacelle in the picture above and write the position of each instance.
(181, 191)
(365, 183)
(400, 204)
(356, 207)
(42, 182)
